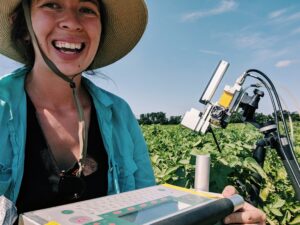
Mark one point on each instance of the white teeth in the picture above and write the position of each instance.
(73, 46)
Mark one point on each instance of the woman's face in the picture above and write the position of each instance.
(68, 32)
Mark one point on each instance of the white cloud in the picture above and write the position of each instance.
(284, 16)
(248, 41)
(285, 63)
(209, 52)
(294, 16)
(255, 40)
(225, 6)
(276, 14)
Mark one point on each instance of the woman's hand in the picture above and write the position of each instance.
(247, 215)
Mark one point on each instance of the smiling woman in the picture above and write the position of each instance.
(67, 140)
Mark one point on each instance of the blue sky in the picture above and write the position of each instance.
(184, 41)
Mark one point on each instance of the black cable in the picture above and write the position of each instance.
(278, 102)
(276, 119)
(271, 97)
(215, 139)
(272, 100)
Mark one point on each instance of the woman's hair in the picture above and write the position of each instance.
(20, 35)
(21, 38)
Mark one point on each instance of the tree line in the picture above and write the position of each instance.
(158, 118)
(161, 118)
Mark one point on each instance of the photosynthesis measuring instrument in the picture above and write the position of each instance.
(156, 205)
(234, 98)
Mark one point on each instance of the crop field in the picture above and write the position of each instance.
(173, 149)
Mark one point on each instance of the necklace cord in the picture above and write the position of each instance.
(82, 128)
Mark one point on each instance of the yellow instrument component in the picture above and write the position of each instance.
(226, 99)
(193, 191)
(52, 223)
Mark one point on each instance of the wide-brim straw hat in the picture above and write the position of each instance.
(124, 23)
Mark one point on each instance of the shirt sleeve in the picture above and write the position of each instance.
(144, 175)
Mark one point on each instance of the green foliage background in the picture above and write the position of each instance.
(173, 149)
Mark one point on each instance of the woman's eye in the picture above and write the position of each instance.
(51, 5)
(88, 11)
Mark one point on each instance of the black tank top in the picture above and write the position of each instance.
(39, 188)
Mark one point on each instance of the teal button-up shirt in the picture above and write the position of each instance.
(128, 158)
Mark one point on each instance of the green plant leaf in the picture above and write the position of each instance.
(251, 164)
(296, 209)
(154, 158)
(271, 222)
(279, 203)
(184, 161)
(264, 193)
(295, 221)
(276, 212)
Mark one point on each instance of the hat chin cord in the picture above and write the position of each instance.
(82, 128)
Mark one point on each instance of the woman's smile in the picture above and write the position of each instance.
(68, 51)
(68, 47)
